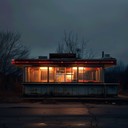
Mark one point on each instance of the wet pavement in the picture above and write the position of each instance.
(63, 115)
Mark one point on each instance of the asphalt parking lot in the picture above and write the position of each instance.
(63, 115)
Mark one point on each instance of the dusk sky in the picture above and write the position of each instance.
(41, 24)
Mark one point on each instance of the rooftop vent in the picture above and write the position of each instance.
(107, 56)
(62, 56)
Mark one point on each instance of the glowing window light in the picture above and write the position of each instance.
(74, 68)
(43, 68)
(50, 68)
(81, 68)
(68, 76)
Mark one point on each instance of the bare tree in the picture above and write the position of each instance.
(72, 44)
(10, 47)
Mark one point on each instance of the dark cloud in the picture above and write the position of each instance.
(42, 22)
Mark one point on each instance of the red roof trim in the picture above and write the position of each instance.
(38, 62)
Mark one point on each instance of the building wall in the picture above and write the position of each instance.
(90, 89)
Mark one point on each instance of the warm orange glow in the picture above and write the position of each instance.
(44, 68)
(70, 73)
(50, 68)
(68, 76)
(81, 68)
(74, 68)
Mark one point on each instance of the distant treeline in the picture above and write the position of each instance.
(118, 74)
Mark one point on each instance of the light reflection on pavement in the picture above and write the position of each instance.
(66, 115)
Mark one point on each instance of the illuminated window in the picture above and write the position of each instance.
(63, 74)
(60, 74)
(51, 74)
(86, 74)
(80, 74)
(43, 74)
(68, 75)
(74, 72)
(33, 74)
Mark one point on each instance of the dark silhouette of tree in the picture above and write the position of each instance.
(11, 47)
(72, 44)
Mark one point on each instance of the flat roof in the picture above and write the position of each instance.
(65, 62)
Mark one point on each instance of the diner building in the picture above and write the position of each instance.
(66, 75)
